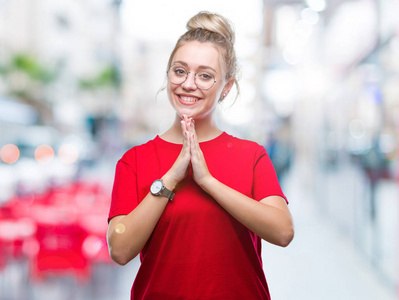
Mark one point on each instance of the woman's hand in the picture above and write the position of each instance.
(201, 173)
(190, 154)
(180, 167)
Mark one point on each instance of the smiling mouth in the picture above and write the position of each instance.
(188, 99)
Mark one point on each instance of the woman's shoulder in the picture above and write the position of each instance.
(139, 147)
(245, 143)
(238, 147)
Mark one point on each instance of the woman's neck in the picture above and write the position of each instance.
(206, 130)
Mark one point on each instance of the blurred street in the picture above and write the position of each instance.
(321, 262)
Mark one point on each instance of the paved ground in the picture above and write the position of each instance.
(321, 263)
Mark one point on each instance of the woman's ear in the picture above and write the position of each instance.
(228, 86)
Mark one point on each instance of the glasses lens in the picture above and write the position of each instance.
(177, 75)
(204, 80)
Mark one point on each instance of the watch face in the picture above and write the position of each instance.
(156, 186)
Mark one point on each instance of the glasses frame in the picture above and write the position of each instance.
(195, 77)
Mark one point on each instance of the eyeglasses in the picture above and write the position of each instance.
(202, 79)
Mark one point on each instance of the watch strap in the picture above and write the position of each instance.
(167, 193)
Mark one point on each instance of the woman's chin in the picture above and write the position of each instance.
(188, 114)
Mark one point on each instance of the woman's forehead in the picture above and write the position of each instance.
(198, 55)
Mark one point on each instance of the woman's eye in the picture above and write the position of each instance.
(180, 71)
(205, 76)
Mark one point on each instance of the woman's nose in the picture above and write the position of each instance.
(190, 84)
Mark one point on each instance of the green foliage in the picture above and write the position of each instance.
(30, 66)
(108, 77)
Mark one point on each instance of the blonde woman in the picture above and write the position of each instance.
(195, 202)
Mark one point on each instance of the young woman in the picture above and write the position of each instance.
(195, 202)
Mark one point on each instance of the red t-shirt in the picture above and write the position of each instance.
(197, 249)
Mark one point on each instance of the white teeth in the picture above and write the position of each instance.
(188, 99)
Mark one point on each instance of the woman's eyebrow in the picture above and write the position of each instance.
(199, 67)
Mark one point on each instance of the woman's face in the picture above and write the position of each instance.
(186, 98)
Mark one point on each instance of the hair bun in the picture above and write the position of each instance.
(212, 22)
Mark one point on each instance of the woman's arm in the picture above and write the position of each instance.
(127, 234)
(269, 218)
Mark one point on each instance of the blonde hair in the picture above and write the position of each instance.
(216, 29)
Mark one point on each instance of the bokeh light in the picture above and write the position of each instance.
(68, 153)
(44, 154)
(9, 153)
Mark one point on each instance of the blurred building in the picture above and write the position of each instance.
(74, 43)
(331, 69)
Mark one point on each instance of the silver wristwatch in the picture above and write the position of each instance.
(159, 189)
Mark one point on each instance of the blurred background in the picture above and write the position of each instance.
(80, 83)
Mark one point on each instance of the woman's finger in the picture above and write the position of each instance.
(183, 129)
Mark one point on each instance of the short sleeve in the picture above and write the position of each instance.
(124, 192)
(265, 179)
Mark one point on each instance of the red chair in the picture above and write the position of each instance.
(60, 252)
(14, 233)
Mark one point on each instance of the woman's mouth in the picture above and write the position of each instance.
(188, 100)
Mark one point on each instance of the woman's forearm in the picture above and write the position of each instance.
(272, 222)
(127, 235)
